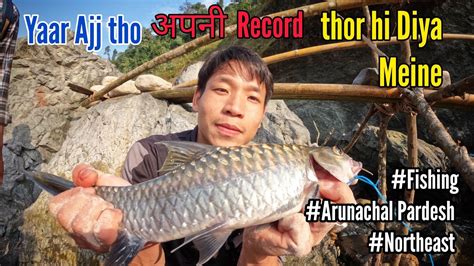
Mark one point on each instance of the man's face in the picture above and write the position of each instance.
(231, 107)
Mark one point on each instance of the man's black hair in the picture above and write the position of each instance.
(247, 59)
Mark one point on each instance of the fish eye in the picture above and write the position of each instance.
(336, 150)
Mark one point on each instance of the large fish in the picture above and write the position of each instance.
(206, 192)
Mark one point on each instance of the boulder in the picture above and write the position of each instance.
(335, 120)
(96, 88)
(126, 88)
(150, 82)
(39, 96)
(17, 192)
(365, 150)
(107, 80)
(189, 73)
(281, 125)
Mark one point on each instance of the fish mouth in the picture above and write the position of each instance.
(322, 173)
(356, 167)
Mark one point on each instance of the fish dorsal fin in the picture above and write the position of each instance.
(125, 249)
(181, 152)
(208, 242)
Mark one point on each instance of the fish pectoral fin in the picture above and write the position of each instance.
(209, 244)
(124, 249)
(200, 234)
(180, 152)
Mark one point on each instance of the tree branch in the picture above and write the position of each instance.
(382, 172)
(459, 88)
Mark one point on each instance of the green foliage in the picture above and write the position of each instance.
(153, 45)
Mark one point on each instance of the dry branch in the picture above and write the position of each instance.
(368, 24)
(382, 172)
(459, 88)
(319, 91)
(412, 145)
(356, 135)
(309, 10)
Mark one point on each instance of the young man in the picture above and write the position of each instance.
(233, 89)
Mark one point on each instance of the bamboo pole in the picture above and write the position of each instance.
(309, 10)
(412, 142)
(332, 47)
(382, 173)
(382, 144)
(368, 24)
(320, 91)
(412, 146)
(459, 88)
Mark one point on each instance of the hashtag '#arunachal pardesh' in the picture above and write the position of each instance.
(390, 211)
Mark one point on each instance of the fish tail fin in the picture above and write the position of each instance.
(124, 249)
(52, 183)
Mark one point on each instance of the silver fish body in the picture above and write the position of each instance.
(207, 192)
(234, 187)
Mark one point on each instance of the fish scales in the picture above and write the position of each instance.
(265, 182)
(206, 192)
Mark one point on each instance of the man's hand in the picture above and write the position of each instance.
(91, 221)
(293, 235)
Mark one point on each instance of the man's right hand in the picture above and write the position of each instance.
(91, 221)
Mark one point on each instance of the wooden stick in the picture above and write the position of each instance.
(332, 47)
(309, 10)
(79, 89)
(412, 142)
(382, 173)
(412, 146)
(368, 23)
(82, 90)
(319, 91)
(356, 135)
(459, 88)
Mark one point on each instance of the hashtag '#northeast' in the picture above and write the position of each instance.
(375, 242)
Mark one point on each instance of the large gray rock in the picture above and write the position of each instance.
(335, 120)
(149, 82)
(17, 192)
(126, 88)
(365, 150)
(39, 96)
(458, 122)
(281, 125)
(189, 73)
